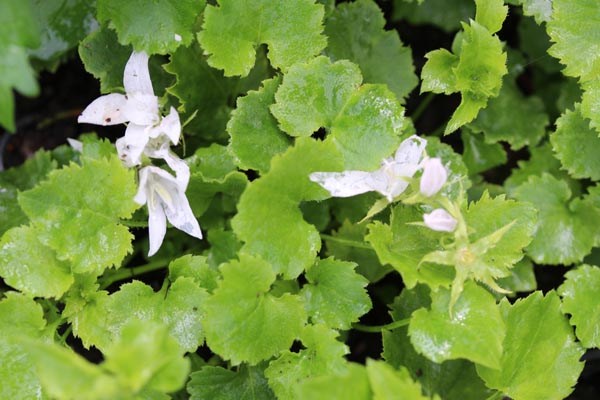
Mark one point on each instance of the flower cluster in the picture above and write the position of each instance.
(393, 177)
(148, 134)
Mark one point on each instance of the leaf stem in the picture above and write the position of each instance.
(347, 242)
(422, 106)
(387, 327)
(134, 223)
(126, 273)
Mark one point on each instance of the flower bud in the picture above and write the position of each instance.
(439, 220)
(434, 176)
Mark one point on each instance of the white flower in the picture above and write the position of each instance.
(165, 196)
(139, 107)
(434, 176)
(440, 220)
(391, 179)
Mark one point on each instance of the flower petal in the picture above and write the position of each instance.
(142, 109)
(410, 150)
(157, 226)
(440, 220)
(182, 217)
(136, 77)
(347, 183)
(105, 110)
(434, 176)
(131, 146)
(169, 126)
(141, 197)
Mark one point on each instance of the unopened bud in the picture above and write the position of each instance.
(439, 220)
(434, 176)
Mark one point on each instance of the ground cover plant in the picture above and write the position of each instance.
(298, 199)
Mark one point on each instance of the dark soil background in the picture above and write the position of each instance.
(48, 120)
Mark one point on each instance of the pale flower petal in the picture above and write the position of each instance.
(434, 176)
(410, 150)
(169, 126)
(440, 220)
(105, 110)
(344, 184)
(75, 144)
(165, 198)
(157, 227)
(131, 146)
(136, 77)
(141, 109)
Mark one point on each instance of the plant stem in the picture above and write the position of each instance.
(126, 273)
(422, 106)
(378, 329)
(347, 242)
(133, 223)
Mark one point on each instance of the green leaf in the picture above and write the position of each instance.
(145, 356)
(335, 295)
(156, 27)
(534, 43)
(195, 267)
(76, 213)
(541, 10)
(388, 383)
(577, 145)
(65, 24)
(105, 58)
(101, 321)
(211, 105)
(590, 103)
(540, 357)
(269, 220)
(355, 32)
(243, 321)
(216, 383)
(322, 354)
(213, 171)
(29, 266)
(521, 278)
(542, 160)
(313, 94)
(232, 31)
(352, 384)
(21, 316)
(572, 38)
(254, 135)
(368, 128)
(579, 292)
(477, 74)
(66, 375)
(512, 117)
(363, 255)
(18, 31)
(473, 330)
(13, 180)
(439, 13)
(224, 246)
(451, 380)
(403, 246)
(491, 14)
(566, 229)
(480, 156)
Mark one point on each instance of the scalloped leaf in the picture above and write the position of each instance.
(254, 135)
(232, 31)
(355, 31)
(269, 220)
(153, 27)
(440, 13)
(577, 145)
(389, 383)
(473, 330)
(76, 213)
(29, 266)
(335, 294)
(512, 117)
(540, 357)
(579, 293)
(477, 70)
(566, 229)
(480, 156)
(244, 322)
(322, 354)
(216, 383)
